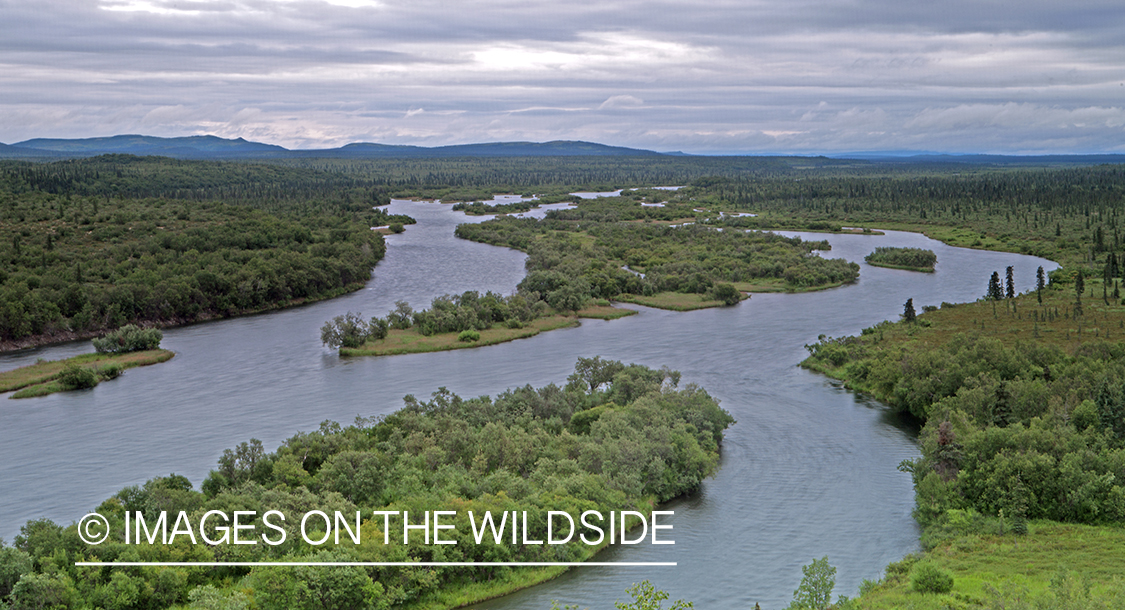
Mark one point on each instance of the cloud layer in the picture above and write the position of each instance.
(802, 76)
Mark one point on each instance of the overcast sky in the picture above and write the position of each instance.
(756, 76)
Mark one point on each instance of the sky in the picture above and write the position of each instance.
(714, 77)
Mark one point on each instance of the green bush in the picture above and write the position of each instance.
(128, 338)
(928, 578)
(468, 335)
(76, 377)
(110, 371)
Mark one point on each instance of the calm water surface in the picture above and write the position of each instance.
(808, 470)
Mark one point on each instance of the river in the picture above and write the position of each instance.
(809, 469)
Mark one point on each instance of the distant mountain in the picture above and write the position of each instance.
(558, 148)
(188, 147)
(14, 152)
(212, 147)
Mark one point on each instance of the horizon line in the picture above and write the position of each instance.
(379, 563)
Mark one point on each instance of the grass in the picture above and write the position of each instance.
(676, 301)
(604, 312)
(39, 379)
(780, 285)
(978, 563)
(903, 267)
(410, 341)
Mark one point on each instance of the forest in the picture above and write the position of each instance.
(614, 437)
(608, 247)
(1020, 395)
(98, 243)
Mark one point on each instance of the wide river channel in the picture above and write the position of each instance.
(809, 470)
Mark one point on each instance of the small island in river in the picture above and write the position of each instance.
(910, 259)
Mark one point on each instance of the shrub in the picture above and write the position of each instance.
(128, 338)
(468, 335)
(76, 377)
(396, 227)
(110, 371)
(726, 293)
(928, 578)
(344, 331)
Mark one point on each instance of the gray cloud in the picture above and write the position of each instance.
(720, 76)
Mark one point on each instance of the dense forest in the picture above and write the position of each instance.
(615, 437)
(98, 243)
(608, 247)
(1023, 413)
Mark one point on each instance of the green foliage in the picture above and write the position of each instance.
(128, 338)
(915, 258)
(516, 451)
(349, 330)
(76, 377)
(207, 597)
(815, 590)
(647, 597)
(104, 242)
(468, 335)
(908, 313)
(575, 254)
(928, 578)
(317, 587)
(14, 563)
(724, 292)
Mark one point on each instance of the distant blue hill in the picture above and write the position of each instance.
(187, 147)
(558, 148)
(212, 147)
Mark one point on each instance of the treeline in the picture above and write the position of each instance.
(1072, 215)
(421, 177)
(593, 251)
(1012, 432)
(616, 437)
(78, 264)
(914, 258)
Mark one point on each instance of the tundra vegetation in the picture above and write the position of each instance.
(615, 437)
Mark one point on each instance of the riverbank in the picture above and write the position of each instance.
(65, 336)
(410, 341)
(902, 267)
(1049, 564)
(42, 378)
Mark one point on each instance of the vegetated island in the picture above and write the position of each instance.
(579, 260)
(615, 437)
(910, 259)
(121, 349)
(94, 244)
(1023, 443)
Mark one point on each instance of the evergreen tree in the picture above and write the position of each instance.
(1010, 282)
(1039, 284)
(908, 313)
(995, 292)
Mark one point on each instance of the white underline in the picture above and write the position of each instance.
(468, 564)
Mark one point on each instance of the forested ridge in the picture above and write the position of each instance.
(615, 437)
(94, 244)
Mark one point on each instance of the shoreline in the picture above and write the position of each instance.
(67, 336)
(41, 378)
